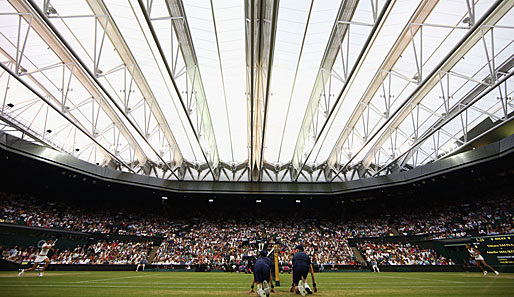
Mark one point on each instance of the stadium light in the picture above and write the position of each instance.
(298, 201)
(211, 200)
(164, 198)
(258, 201)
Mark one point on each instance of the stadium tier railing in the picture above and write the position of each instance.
(9, 230)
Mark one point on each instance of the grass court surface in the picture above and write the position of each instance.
(87, 283)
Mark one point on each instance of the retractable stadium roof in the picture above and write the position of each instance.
(256, 90)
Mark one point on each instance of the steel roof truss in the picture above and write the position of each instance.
(42, 28)
(60, 103)
(195, 105)
(460, 110)
(306, 141)
(41, 135)
(494, 14)
(260, 28)
(130, 73)
(382, 79)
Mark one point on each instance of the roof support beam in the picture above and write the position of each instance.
(307, 140)
(479, 92)
(14, 123)
(261, 17)
(113, 156)
(57, 102)
(339, 30)
(43, 88)
(497, 11)
(206, 138)
(92, 82)
(474, 35)
(44, 29)
(420, 15)
(113, 33)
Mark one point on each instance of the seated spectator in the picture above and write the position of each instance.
(101, 252)
(400, 254)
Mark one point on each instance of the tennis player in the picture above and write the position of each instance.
(475, 254)
(41, 257)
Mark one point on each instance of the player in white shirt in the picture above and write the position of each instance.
(475, 254)
(41, 257)
(142, 263)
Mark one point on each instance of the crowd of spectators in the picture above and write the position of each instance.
(452, 221)
(227, 241)
(222, 242)
(22, 210)
(30, 212)
(368, 227)
(100, 252)
(400, 254)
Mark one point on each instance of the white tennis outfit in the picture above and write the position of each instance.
(42, 254)
(475, 254)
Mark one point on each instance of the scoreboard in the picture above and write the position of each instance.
(498, 250)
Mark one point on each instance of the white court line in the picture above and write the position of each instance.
(107, 279)
(57, 272)
(427, 279)
(175, 274)
(235, 284)
(407, 286)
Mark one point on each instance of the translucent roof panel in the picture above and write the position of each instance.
(160, 87)
(218, 34)
(294, 75)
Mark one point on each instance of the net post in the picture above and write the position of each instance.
(277, 276)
